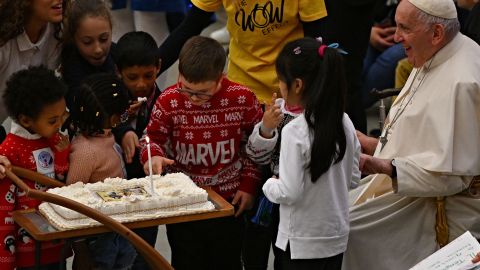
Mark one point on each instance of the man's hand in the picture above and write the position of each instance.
(129, 145)
(244, 200)
(271, 117)
(158, 163)
(382, 38)
(4, 165)
(373, 165)
(367, 143)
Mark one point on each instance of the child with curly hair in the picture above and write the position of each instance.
(29, 35)
(35, 101)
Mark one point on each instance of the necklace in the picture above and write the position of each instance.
(401, 108)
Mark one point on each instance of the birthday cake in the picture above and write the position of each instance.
(128, 200)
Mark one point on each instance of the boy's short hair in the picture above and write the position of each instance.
(201, 59)
(30, 90)
(136, 49)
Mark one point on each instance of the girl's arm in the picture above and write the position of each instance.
(289, 188)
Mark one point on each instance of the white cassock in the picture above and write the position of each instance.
(435, 142)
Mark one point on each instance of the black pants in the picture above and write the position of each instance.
(258, 239)
(52, 266)
(207, 244)
(329, 263)
(148, 234)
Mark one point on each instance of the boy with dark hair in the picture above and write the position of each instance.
(199, 127)
(35, 101)
(138, 63)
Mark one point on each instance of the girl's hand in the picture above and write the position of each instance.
(129, 145)
(4, 165)
(271, 118)
(158, 163)
(476, 258)
(63, 142)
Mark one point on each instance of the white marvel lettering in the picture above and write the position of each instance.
(205, 154)
(205, 119)
(180, 119)
(233, 116)
(190, 158)
(202, 153)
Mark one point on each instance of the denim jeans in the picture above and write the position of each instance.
(379, 70)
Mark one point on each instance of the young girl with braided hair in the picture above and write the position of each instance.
(319, 155)
(100, 103)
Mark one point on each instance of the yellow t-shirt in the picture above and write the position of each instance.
(258, 31)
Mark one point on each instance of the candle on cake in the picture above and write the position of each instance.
(150, 164)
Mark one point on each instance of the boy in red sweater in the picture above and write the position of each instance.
(35, 101)
(199, 127)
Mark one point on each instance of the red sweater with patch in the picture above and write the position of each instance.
(30, 151)
(207, 142)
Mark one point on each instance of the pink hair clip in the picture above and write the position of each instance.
(321, 50)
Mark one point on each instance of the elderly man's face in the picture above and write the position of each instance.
(413, 34)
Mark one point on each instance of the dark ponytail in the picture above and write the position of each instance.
(323, 98)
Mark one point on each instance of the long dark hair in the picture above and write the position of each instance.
(13, 17)
(323, 97)
(78, 11)
(96, 99)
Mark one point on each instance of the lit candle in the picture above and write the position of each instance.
(150, 164)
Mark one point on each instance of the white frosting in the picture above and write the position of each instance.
(173, 193)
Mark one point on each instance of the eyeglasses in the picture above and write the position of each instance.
(190, 93)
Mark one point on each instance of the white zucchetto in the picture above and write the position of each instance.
(438, 8)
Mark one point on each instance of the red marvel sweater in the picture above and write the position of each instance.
(30, 151)
(207, 142)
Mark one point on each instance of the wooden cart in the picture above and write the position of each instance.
(41, 230)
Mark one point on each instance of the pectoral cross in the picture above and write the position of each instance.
(383, 137)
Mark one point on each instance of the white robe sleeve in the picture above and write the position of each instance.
(414, 181)
(290, 185)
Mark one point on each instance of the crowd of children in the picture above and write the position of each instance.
(206, 126)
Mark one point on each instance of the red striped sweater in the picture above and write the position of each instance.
(207, 142)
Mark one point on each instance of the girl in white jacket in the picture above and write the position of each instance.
(319, 157)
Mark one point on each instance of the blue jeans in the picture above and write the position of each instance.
(110, 251)
(379, 70)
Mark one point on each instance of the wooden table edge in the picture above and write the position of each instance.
(222, 209)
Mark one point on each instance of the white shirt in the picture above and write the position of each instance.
(313, 216)
(20, 53)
